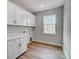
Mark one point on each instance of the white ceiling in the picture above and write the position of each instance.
(35, 5)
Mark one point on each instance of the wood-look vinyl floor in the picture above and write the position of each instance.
(42, 51)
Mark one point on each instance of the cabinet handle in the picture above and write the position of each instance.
(19, 44)
(14, 21)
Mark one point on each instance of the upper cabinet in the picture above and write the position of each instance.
(10, 13)
(18, 16)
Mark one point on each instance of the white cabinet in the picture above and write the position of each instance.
(19, 16)
(11, 49)
(14, 14)
(25, 18)
(23, 46)
(10, 53)
(10, 13)
(33, 20)
(17, 46)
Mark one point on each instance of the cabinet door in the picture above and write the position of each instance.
(31, 19)
(16, 48)
(28, 18)
(23, 46)
(18, 15)
(11, 50)
(24, 18)
(34, 20)
(10, 13)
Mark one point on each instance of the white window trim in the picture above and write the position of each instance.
(50, 24)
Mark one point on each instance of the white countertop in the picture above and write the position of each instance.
(14, 37)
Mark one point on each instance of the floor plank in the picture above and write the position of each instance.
(42, 51)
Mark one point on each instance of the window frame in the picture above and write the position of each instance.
(49, 24)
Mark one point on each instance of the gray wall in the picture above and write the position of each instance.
(38, 31)
(67, 29)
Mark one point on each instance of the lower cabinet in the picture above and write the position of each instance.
(11, 48)
(16, 47)
(22, 45)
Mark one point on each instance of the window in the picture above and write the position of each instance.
(49, 23)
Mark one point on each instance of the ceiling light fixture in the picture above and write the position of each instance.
(42, 6)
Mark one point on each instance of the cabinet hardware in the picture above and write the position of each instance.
(14, 21)
(19, 44)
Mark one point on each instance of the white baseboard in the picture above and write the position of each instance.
(48, 42)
